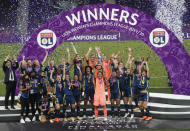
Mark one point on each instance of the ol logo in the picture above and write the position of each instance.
(159, 37)
(46, 39)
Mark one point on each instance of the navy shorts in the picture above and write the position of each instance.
(136, 90)
(128, 92)
(115, 94)
(59, 100)
(69, 100)
(143, 96)
(89, 92)
(77, 97)
(45, 113)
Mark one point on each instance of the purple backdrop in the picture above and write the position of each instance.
(173, 55)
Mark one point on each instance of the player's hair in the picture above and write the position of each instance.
(88, 67)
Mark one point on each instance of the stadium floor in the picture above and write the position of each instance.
(91, 124)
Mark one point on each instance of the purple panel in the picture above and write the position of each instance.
(173, 55)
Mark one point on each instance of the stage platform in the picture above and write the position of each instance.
(91, 124)
(169, 111)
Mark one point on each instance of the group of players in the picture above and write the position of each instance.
(50, 90)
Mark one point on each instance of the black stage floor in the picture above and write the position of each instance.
(91, 124)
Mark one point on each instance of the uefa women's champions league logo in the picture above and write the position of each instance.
(46, 39)
(159, 37)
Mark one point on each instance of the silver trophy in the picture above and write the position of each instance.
(99, 57)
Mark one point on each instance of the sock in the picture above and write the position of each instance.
(142, 111)
(131, 107)
(136, 102)
(92, 109)
(57, 113)
(105, 111)
(118, 108)
(84, 110)
(78, 110)
(73, 112)
(96, 112)
(112, 108)
(147, 112)
(64, 111)
(126, 108)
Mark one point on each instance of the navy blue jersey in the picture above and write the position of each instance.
(44, 104)
(48, 69)
(128, 80)
(122, 79)
(88, 80)
(23, 71)
(144, 83)
(29, 69)
(68, 90)
(59, 88)
(38, 71)
(76, 89)
(137, 79)
(43, 84)
(66, 68)
(114, 84)
(113, 68)
(34, 83)
(76, 71)
(24, 94)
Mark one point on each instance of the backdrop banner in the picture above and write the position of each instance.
(108, 17)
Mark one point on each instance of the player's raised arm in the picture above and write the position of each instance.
(80, 76)
(147, 68)
(83, 65)
(149, 53)
(69, 56)
(51, 76)
(131, 64)
(87, 54)
(45, 58)
(129, 57)
(63, 78)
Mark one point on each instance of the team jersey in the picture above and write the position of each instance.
(76, 71)
(122, 79)
(100, 86)
(44, 104)
(59, 88)
(24, 94)
(43, 84)
(29, 69)
(38, 71)
(114, 84)
(48, 69)
(144, 83)
(88, 80)
(91, 63)
(34, 83)
(128, 80)
(107, 68)
(113, 68)
(137, 79)
(68, 90)
(66, 68)
(77, 89)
